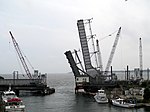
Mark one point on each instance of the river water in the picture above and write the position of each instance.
(65, 100)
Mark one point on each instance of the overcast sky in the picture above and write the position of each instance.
(45, 29)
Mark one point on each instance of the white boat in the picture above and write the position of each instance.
(122, 103)
(11, 102)
(101, 97)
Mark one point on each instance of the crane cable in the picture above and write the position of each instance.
(108, 35)
(21, 69)
(27, 60)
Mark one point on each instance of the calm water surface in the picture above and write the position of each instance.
(65, 100)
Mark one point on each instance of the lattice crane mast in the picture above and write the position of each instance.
(20, 56)
(112, 52)
(99, 56)
(140, 56)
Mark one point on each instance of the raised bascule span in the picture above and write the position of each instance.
(85, 50)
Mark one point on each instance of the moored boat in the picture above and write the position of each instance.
(122, 103)
(101, 97)
(11, 102)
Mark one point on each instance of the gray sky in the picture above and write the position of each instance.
(45, 29)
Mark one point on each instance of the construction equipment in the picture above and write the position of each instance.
(21, 56)
(140, 58)
(92, 39)
(99, 56)
(112, 52)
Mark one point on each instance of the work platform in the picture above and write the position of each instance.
(38, 86)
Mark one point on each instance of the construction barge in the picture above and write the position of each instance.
(34, 83)
(36, 86)
(90, 78)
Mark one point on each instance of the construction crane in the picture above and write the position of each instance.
(21, 56)
(92, 38)
(112, 52)
(99, 56)
(140, 57)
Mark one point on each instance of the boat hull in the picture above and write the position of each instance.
(101, 101)
(15, 110)
(11, 103)
(123, 104)
(101, 97)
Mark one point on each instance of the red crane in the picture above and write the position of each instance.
(21, 56)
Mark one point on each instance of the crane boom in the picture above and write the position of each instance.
(21, 56)
(112, 52)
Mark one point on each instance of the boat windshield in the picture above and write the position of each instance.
(11, 95)
(101, 91)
